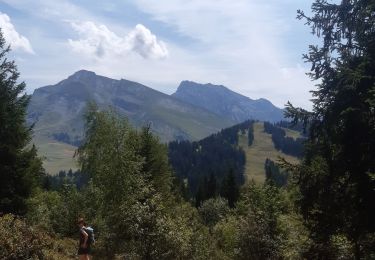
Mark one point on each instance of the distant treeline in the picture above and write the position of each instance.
(212, 164)
(66, 138)
(296, 127)
(287, 145)
(75, 178)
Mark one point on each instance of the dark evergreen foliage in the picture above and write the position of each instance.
(274, 175)
(20, 168)
(250, 134)
(286, 144)
(155, 155)
(208, 188)
(212, 188)
(292, 126)
(66, 138)
(77, 179)
(205, 163)
(336, 178)
(230, 189)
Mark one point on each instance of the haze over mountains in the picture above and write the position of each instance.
(193, 112)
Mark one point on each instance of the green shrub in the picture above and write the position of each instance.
(56, 212)
(226, 233)
(20, 241)
(213, 210)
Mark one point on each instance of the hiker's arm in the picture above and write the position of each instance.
(84, 245)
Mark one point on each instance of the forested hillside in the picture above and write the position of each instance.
(286, 144)
(205, 166)
(242, 151)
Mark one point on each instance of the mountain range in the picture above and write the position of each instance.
(226, 103)
(193, 112)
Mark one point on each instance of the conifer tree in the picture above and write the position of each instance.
(155, 167)
(336, 178)
(230, 189)
(20, 168)
(211, 186)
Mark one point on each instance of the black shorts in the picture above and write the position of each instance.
(84, 251)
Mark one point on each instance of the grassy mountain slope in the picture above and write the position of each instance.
(56, 155)
(205, 165)
(261, 149)
(292, 133)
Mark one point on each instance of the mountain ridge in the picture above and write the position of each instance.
(56, 108)
(227, 103)
(57, 111)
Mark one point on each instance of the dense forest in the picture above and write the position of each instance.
(136, 205)
(209, 166)
(275, 175)
(284, 143)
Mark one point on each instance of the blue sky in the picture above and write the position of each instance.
(254, 47)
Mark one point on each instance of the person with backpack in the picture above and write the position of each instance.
(86, 238)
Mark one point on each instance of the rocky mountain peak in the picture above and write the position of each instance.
(82, 75)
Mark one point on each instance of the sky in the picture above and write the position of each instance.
(253, 47)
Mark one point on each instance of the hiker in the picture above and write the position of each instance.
(84, 249)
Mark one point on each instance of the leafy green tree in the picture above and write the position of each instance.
(42, 210)
(336, 178)
(213, 210)
(134, 207)
(259, 210)
(57, 212)
(226, 234)
(20, 168)
(108, 154)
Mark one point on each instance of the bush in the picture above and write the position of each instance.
(43, 208)
(56, 212)
(20, 241)
(226, 234)
(296, 240)
(213, 210)
(260, 209)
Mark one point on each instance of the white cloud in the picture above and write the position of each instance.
(251, 46)
(12, 37)
(243, 44)
(98, 41)
(145, 43)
